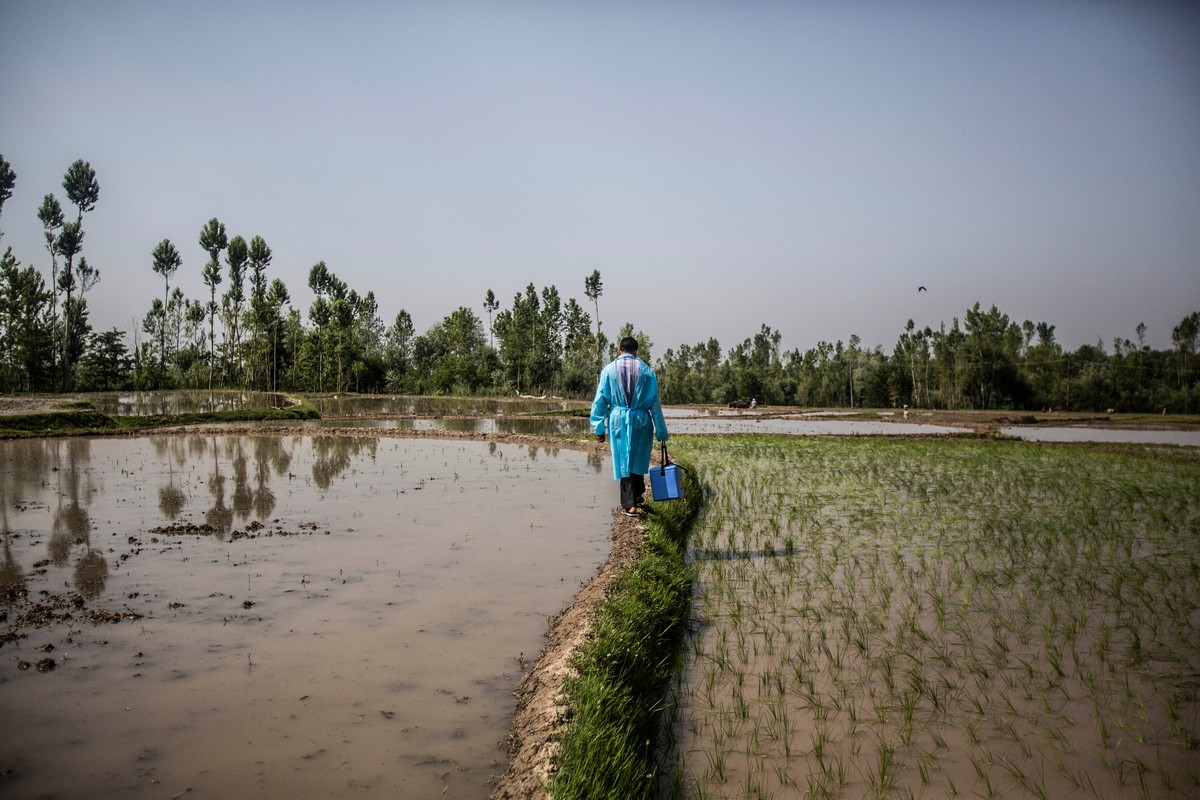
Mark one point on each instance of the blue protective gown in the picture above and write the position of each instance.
(631, 425)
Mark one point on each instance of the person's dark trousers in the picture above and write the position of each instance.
(633, 490)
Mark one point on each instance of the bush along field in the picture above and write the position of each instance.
(928, 619)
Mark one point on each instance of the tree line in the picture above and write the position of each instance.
(987, 362)
(247, 333)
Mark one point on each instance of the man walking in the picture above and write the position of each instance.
(627, 409)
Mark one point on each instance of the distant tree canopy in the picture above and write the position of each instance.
(538, 344)
(988, 363)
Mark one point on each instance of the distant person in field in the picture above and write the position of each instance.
(627, 410)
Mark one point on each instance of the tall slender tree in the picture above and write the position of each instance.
(213, 241)
(83, 190)
(236, 257)
(593, 287)
(259, 258)
(51, 215)
(166, 262)
(398, 352)
(490, 304)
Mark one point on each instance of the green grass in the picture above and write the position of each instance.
(56, 423)
(608, 746)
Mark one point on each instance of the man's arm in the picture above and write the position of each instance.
(600, 407)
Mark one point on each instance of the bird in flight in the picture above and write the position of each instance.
(922, 289)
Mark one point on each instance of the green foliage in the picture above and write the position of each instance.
(452, 357)
(8, 179)
(106, 364)
(26, 329)
(993, 363)
(607, 749)
(84, 421)
(81, 186)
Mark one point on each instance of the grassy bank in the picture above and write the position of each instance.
(608, 747)
(887, 618)
(81, 418)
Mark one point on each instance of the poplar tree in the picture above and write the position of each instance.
(213, 241)
(259, 256)
(166, 262)
(83, 190)
(490, 304)
(236, 257)
(593, 287)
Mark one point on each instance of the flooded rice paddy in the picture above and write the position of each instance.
(919, 619)
(406, 405)
(125, 404)
(554, 416)
(1089, 434)
(277, 616)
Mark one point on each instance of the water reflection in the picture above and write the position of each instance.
(124, 404)
(268, 453)
(12, 577)
(71, 523)
(220, 481)
(423, 608)
(334, 454)
(527, 426)
(91, 572)
(171, 498)
(405, 406)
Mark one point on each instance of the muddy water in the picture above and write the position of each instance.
(529, 426)
(690, 424)
(182, 402)
(294, 617)
(1088, 434)
(405, 405)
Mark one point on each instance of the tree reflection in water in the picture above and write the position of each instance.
(71, 523)
(243, 498)
(12, 577)
(91, 574)
(333, 455)
(171, 499)
(220, 516)
(268, 452)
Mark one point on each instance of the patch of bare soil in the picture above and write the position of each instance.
(533, 740)
(31, 403)
(55, 609)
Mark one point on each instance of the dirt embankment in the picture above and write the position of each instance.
(31, 403)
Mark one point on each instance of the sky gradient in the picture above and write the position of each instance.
(803, 165)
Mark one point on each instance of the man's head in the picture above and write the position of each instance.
(629, 345)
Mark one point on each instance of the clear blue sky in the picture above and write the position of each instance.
(800, 164)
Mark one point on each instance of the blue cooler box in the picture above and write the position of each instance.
(666, 483)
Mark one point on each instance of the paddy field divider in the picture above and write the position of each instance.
(614, 701)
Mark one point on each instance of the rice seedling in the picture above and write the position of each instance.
(987, 618)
